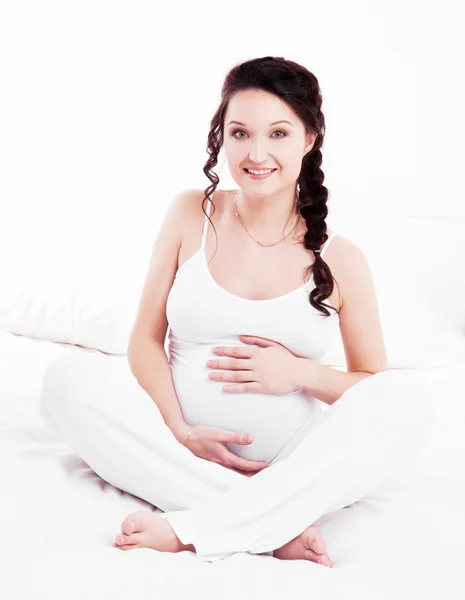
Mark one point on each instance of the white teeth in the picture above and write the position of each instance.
(259, 172)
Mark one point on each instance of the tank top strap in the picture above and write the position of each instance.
(205, 224)
(326, 244)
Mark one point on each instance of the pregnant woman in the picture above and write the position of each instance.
(240, 435)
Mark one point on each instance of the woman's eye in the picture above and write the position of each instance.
(240, 131)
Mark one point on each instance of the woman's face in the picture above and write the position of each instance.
(258, 144)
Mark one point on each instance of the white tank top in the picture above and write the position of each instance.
(202, 315)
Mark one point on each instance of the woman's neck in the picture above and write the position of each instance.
(268, 213)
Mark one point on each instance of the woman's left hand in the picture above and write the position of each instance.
(269, 369)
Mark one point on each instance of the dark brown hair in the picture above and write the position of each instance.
(299, 88)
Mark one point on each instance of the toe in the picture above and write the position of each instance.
(129, 525)
(127, 546)
(137, 521)
(127, 539)
(120, 539)
(322, 559)
(314, 540)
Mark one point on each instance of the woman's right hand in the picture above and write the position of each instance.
(209, 443)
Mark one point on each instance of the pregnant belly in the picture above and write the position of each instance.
(270, 420)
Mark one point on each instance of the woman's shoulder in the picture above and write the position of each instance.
(341, 251)
(192, 210)
(189, 204)
(341, 248)
(344, 258)
(194, 199)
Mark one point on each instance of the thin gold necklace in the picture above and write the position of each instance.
(264, 245)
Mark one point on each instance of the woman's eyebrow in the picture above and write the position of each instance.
(274, 123)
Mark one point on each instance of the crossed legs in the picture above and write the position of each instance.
(102, 412)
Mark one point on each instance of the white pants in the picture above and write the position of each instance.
(96, 405)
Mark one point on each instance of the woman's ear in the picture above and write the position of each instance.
(310, 140)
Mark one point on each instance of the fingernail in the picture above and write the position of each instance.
(133, 525)
(249, 439)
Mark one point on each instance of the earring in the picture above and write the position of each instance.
(298, 188)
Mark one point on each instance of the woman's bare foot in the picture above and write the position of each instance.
(144, 529)
(308, 545)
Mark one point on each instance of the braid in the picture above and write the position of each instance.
(312, 204)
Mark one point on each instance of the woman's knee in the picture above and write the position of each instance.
(65, 380)
(94, 386)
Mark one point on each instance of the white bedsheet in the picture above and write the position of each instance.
(59, 519)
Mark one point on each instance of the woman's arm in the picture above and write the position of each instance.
(146, 353)
(359, 323)
(150, 366)
(324, 382)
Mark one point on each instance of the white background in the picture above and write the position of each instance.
(105, 109)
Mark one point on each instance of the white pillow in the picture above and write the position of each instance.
(93, 309)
